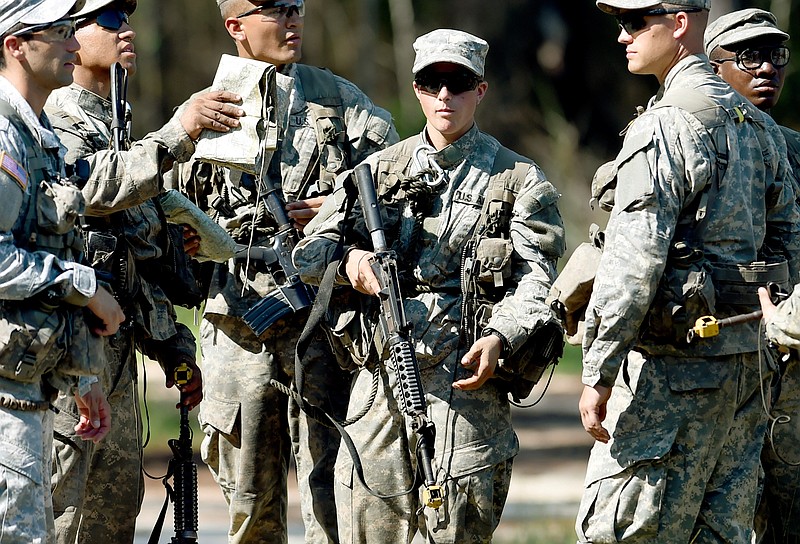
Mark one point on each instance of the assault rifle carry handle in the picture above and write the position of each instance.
(396, 332)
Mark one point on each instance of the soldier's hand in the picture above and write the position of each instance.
(481, 359)
(108, 310)
(592, 407)
(191, 241)
(303, 211)
(767, 307)
(215, 110)
(95, 414)
(191, 391)
(359, 272)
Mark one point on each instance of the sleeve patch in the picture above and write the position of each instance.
(13, 169)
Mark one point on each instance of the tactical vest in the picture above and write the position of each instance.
(326, 109)
(28, 232)
(486, 270)
(36, 335)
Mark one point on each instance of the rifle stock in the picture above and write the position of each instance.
(396, 334)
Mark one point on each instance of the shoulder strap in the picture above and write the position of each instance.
(508, 174)
(25, 228)
(326, 109)
(713, 116)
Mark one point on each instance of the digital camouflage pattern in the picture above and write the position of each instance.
(25, 508)
(98, 488)
(779, 508)
(250, 426)
(446, 45)
(669, 402)
(475, 442)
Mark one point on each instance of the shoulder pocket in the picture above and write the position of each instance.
(633, 174)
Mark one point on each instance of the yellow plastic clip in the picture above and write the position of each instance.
(706, 326)
(183, 374)
(433, 496)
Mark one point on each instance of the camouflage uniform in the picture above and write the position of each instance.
(778, 512)
(475, 443)
(685, 419)
(98, 488)
(250, 427)
(39, 260)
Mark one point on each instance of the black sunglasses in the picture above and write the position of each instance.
(633, 21)
(457, 82)
(752, 59)
(110, 19)
(279, 9)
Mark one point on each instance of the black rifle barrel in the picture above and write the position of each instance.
(119, 84)
(368, 198)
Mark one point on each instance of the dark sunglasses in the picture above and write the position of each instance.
(62, 30)
(633, 21)
(110, 19)
(456, 82)
(279, 9)
(752, 59)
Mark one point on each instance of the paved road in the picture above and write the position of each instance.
(547, 479)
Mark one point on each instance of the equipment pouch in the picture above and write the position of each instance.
(493, 256)
(350, 329)
(29, 342)
(522, 371)
(58, 207)
(685, 293)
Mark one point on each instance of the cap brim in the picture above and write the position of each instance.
(755, 33)
(616, 6)
(49, 11)
(453, 59)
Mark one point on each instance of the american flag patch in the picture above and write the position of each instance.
(13, 169)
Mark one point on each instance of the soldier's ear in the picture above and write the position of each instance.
(235, 29)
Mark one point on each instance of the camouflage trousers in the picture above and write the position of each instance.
(683, 462)
(778, 514)
(473, 455)
(98, 488)
(252, 428)
(26, 512)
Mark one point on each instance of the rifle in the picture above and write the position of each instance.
(293, 295)
(119, 107)
(395, 332)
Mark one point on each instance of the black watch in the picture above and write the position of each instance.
(505, 351)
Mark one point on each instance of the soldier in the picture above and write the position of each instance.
(98, 489)
(748, 51)
(46, 338)
(332, 125)
(465, 171)
(692, 232)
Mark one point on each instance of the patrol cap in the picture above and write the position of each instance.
(128, 6)
(742, 26)
(33, 12)
(446, 45)
(616, 6)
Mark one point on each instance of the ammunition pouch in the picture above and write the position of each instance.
(351, 328)
(31, 341)
(520, 372)
(685, 293)
(493, 260)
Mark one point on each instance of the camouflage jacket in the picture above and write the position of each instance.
(121, 186)
(667, 160)
(368, 128)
